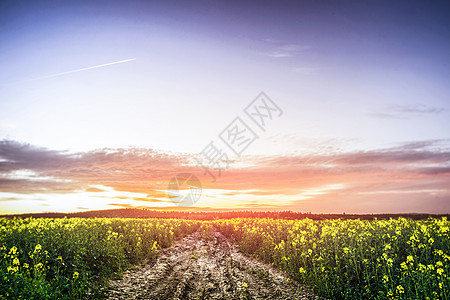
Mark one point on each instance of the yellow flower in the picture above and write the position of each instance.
(390, 262)
(400, 289)
(75, 275)
(440, 271)
(440, 285)
(422, 268)
(385, 278)
(26, 266)
(59, 258)
(155, 245)
(431, 241)
(13, 269)
(13, 250)
(16, 261)
(409, 258)
(37, 248)
(301, 270)
(403, 265)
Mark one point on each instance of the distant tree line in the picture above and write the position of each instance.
(214, 215)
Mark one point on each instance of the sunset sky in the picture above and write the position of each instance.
(103, 102)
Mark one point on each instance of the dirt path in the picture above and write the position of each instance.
(194, 268)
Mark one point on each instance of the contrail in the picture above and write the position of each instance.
(84, 69)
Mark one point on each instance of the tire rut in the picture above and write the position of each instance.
(194, 268)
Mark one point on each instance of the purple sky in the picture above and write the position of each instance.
(351, 77)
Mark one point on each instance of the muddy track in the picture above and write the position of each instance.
(195, 268)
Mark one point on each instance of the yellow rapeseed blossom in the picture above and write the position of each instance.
(155, 246)
(422, 268)
(390, 261)
(12, 269)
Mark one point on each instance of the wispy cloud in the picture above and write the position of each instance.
(305, 70)
(417, 109)
(133, 169)
(421, 168)
(407, 111)
(278, 49)
(387, 116)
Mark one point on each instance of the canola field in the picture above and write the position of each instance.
(351, 259)
(70, 258)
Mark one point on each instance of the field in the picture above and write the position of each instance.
(67, 258)
(339, 259)
(353, 259)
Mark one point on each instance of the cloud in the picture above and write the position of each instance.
(387, 116)
(93, 190)
(17, 156)
(10, 199)
(423, 145)
(132, 169)
(408, 111)
(421, 169)
(25, 186)
(417, 109)
(278, 49)
(305, 70)
(279, 54)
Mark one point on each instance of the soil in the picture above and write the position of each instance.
(198, 268)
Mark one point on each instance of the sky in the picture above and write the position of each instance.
(103, 103)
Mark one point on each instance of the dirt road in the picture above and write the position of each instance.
(195, 268)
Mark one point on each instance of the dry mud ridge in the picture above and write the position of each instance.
(195, 268)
